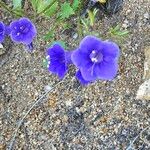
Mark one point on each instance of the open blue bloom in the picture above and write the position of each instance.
(22, 31)
(58, 60)
(96, 59)
(2, 32)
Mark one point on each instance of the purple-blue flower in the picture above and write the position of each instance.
(2, 32)
(58, 60)
(96, 59)
(22, 31)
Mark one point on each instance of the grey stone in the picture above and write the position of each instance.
(147, 64)
(143, 92)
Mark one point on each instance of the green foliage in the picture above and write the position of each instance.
(17, 4)
(116, 31)
(49, 8)
(92, 15)
(52, 10)
(44, 6)
(66, 10)
(88, 23)
(17, 7)
(75, 4)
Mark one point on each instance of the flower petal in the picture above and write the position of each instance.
(55, 51)
(106, 71)
(58, 69)
(14, 25)
(29, 25)
(90, 43)
(110, 51)
(2, 32)
(81, 79)
(16, 37)
(80, 59)
(68, 57)
(27, 38)
(88, 72)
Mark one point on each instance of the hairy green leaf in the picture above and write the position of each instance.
(66, 10)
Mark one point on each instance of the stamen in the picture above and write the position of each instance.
(93, 52)
(94, 59)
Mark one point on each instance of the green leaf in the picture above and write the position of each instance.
(91, 16)
(17, 4)
(85, 24)
(75, 4)
(66, 10)
(118, 32)
(122, 33)
(52, 10)
(40, 5)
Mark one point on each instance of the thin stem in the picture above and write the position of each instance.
(3, 5)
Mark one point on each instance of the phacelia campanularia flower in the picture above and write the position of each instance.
(96, 59)
(22, 31)
(2, 32)
(58, 60)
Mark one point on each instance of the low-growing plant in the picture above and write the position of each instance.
(93, 58)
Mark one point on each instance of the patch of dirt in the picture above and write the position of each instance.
(103, 115)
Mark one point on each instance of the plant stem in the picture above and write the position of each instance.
(3, 5)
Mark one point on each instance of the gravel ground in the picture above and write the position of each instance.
(101, 116)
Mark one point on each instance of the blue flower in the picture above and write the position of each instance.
(58, 60)
(96, 59)
(22, 31)
(2, 32)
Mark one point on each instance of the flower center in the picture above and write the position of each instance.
(96, 57)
